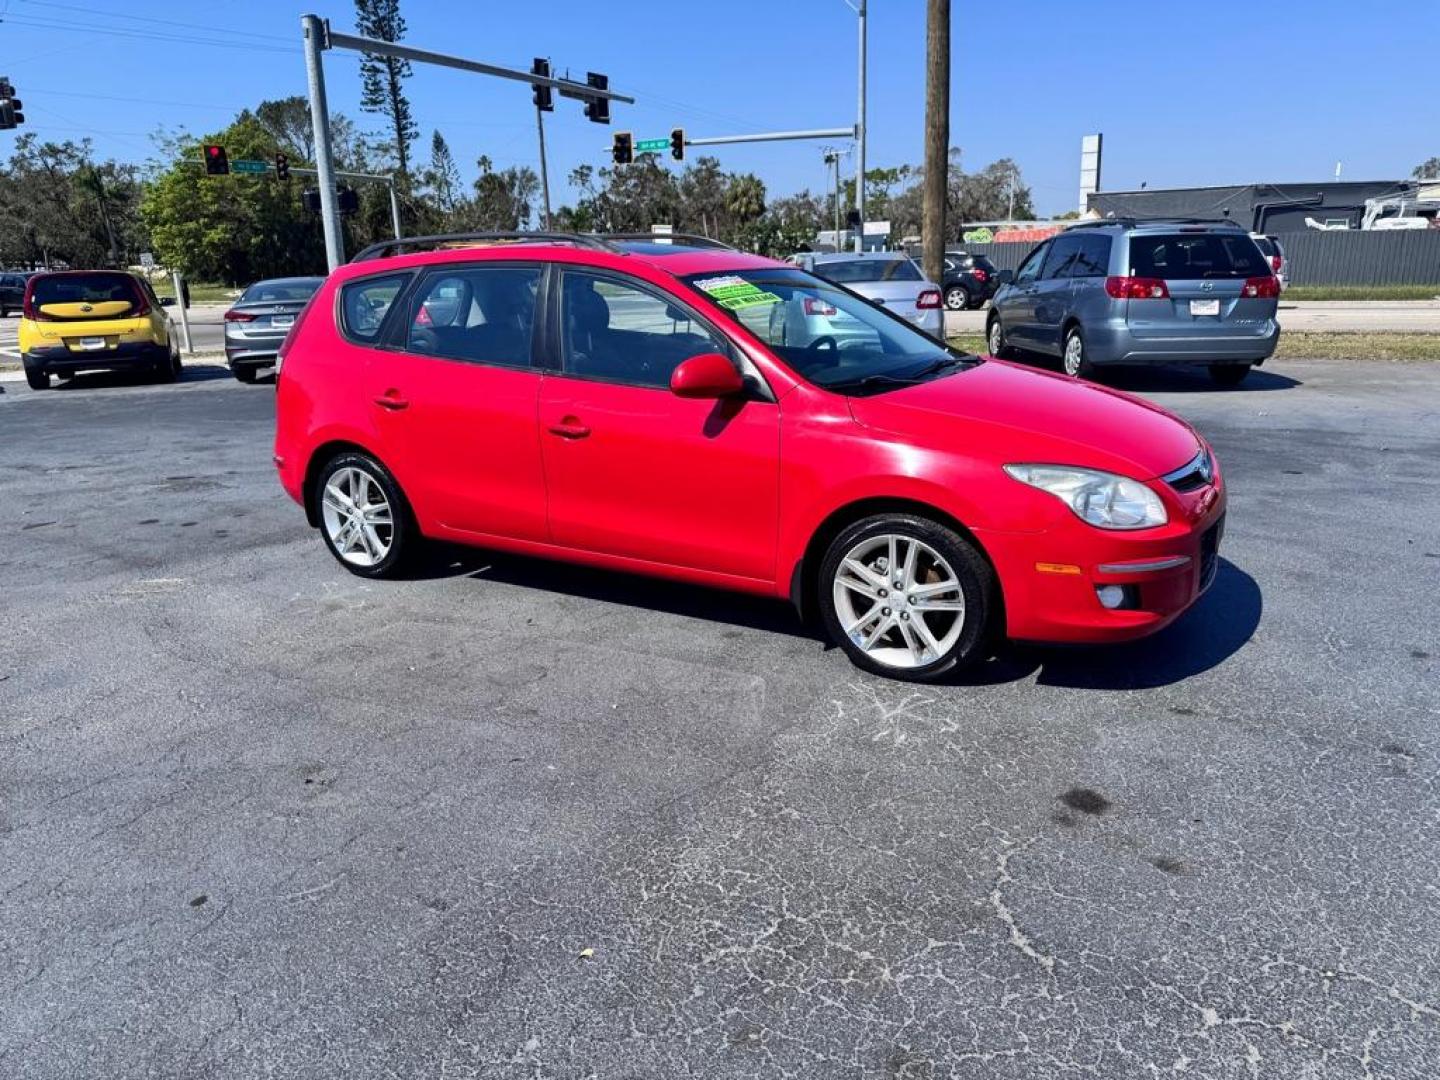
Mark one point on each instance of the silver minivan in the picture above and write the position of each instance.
(1142, 292)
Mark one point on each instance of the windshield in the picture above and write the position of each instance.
(1196, 255)
(279, 291)
(850, 270)
(827, 334)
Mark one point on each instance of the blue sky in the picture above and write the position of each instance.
(1185, 94)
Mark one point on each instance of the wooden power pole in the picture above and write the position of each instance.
(937, 135)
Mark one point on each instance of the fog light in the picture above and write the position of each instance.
(1111, 596)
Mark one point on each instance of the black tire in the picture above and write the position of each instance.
(4, 312)
(1229, 374)
(37, 380)
(1079, 366)
(404, 537)
(976, 581)
(957, 298)
(246, 373)
(167, 370)
(995, 338)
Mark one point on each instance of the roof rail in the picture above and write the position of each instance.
(688, 239)
(392, 247)
(1133, 222)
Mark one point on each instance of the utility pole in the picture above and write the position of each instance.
(860, 141)
(832, 157)
(1010, 213)
(314, 30)
(394, 209)
(937, 134)
(544, 173)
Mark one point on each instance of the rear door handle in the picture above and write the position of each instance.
(569, 430)
(392, 400)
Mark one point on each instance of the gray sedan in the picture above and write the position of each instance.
(259, 321)
(887, 278)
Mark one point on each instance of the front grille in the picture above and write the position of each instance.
(1193, 475)
(1210, 553)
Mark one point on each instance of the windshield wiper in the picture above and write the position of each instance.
(909, 378)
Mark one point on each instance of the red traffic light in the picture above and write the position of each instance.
(217, 161)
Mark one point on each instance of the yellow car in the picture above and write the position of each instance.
(94, 320)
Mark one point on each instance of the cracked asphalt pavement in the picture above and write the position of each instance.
(514, 819)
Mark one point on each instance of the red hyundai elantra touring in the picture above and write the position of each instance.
(686, 410)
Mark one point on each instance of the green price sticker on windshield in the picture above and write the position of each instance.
(733, 292)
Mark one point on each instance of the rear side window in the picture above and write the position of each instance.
(1192, 256)
(1061, 260)
(87, 296)
(869, 270)
(1093, 258)
(1265, 244)
(980, 262)
(364, 305)
(483, 314)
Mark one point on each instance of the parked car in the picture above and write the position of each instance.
(12, 290)
(94, 320)
(1274, 253)
(258, 322)
(626, 404)
(1142, 292)
(970, 280)
(888, 278)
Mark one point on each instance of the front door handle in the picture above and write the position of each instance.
(569, 429)
(392, 400)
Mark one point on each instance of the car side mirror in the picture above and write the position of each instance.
(1005, 277)
(167, 301)
(708, 375)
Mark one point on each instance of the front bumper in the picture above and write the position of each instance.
(1049, 579)
(1113, 342)
(57, 359)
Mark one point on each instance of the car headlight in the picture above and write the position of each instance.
(1103, 499)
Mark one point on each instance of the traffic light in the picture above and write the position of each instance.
(349, 200)
(10, 106)
(677, 144)
(282, 167)
(597, 109)
(217, 161)
(310, 197)
(623, 148)
(544, 99)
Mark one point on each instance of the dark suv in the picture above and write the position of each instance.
(12, 290)
(969, 280)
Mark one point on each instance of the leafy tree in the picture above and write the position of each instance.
(233, 228)
(59, 205)
(287, 122)
(1068, 215)
(383, 77)
(1427, 170)
(503, 200)
(444, 176)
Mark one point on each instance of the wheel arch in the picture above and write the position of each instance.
(804, 583)
(321, 455)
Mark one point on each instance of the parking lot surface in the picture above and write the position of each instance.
(515, 819)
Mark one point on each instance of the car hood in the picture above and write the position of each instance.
(1015, 414)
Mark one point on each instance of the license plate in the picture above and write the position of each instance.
(281, 321)
(89, 344)
(1204, 307)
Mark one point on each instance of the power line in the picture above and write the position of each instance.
(143, 35)
(149, 19)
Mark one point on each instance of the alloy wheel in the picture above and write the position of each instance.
(997, 338)
(956, 298)
(899, 601)
(357, 516)
(1074, 355)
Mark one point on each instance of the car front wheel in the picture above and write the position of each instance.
(906, 597)
(363, 516)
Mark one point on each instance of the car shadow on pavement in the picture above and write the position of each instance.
(1222, 621)
(1186, 380)
(104, 380)
(1204, 637)
(611, 587)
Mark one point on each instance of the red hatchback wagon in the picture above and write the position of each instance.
(683, 409)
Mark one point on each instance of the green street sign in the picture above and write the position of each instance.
(646, 146)
(250, 166)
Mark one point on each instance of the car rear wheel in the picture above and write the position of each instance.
(1229, 374)
(363, 516)
(1076, 363)
(37, 380)
(246, 373)
(906, 597)
(957, 298)
(995, 337)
